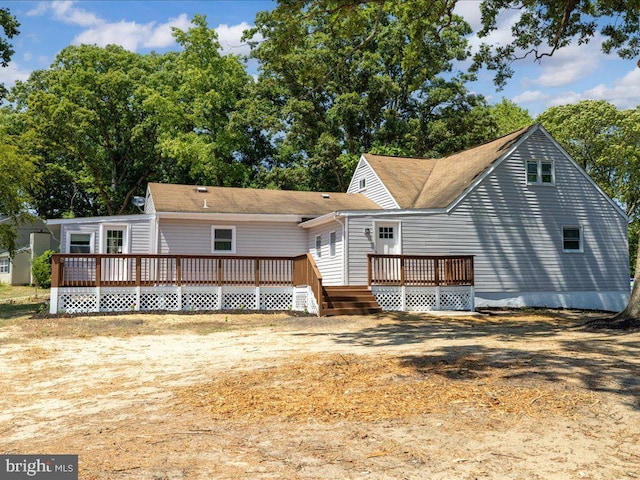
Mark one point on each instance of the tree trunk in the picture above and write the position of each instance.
(631, 314)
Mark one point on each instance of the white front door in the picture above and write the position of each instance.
(115, 243)
(388, 238)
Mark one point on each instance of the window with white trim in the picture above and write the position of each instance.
(541, 172)
(318, 246)
(572, 239)
(332, 244)
(223, 239)
(362, 184)
(5, 265)
(80, 243)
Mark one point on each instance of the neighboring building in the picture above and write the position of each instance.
(541, 232)
(33, 240)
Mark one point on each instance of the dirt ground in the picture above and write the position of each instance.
(508, 395)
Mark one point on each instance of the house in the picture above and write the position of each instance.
(32, 241)
(513, 222)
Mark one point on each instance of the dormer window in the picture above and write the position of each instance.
(540, 172)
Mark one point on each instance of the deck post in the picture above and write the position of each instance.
(98, 271)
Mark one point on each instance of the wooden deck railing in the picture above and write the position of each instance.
(94, 270)
(80, 270)
(420, 270)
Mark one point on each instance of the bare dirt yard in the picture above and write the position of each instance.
(507, 395)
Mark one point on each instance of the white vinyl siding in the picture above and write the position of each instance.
(252, 238)
(374, 190)
(138, 235)
(515, 232)
(330, 266)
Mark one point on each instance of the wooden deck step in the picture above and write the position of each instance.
(349, 300)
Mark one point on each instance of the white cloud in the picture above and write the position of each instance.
(10, 74)
(566, 98)
(162, 35)
(530, 96)
(230, 36)
(64, 11)
(623, 94)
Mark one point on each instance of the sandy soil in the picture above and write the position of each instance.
(508, 396)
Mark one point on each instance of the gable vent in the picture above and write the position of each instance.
(201, 189)
(325, 195)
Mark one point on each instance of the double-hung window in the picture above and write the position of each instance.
(572, 239)
(223, 239)
(541, 172)
(5, 265)
(80, 242)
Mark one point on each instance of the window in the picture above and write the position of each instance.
(5, 265)
(385, 232)
(318, 246)
(362, 184)
(332, 244)
(224, 239)
(115, 241)
(540, 172)
(572, 239)
(80, 243)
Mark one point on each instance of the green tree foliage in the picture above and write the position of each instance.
(16, 180)
(342, 77)
(41, 270)
(509, 117)
(544, 26)
(9, 29)
(199, 101)
(87, 119)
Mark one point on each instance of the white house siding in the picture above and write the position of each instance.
(515, 233)
(252, 238)
(139, 234)
(374, 190)
(330, 266)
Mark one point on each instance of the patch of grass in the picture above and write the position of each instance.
(16, 292)
(15, 310)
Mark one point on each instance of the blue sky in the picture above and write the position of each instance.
(572, 74)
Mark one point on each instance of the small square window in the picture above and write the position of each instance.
(223, 240)
(572, 239)
(80, 243)
(540, 172)
(5, 265)
(385, 232)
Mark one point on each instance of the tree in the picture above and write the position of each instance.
(338, 78)
(18, 176)
(9, 24)
(509, 117)
(88, 120)
(544, 26)
(200, 106)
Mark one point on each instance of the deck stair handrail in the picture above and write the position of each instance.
(306, 273)
(420, 270)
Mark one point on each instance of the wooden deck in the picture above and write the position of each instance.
(130, 279)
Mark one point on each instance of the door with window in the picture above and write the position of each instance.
(388, 238)
(114, 243)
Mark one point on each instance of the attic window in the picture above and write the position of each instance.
(540, 172)
(201, 189)
(362, 184)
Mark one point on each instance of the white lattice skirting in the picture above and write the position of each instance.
(122, 299)
(424, 299)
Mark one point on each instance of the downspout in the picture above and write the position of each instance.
(344, 248)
